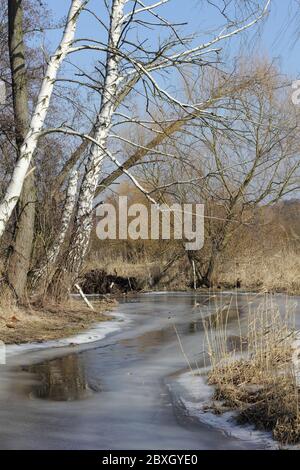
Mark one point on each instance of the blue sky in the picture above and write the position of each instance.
(276, 40)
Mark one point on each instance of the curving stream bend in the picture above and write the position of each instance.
(119, 393)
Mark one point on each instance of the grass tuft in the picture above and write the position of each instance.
(259, 382)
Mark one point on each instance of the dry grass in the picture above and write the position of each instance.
(122, 268)
(144, 271)
(278, 272)
(259, 381)
(42, 323)
(257, 268)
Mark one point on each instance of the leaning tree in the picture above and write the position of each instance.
(138, 55)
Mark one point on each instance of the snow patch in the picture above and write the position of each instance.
(193, 393)
(98, 332)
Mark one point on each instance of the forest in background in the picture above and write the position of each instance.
(261, 255)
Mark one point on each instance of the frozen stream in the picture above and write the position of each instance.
(115, 393)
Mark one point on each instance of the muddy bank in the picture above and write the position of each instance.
(131, 279)
(99, 282)
(52, 322)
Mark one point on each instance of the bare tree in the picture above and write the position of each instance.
(30, 142)
(47, 265)
(254, 162)
(242, 163)
(19, 259)
(128, 66)
(133, 67)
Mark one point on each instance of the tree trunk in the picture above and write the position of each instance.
(207, 279)
(30, 143)
(19, 258)
(42, 276)
(217, 250)
(84, 215)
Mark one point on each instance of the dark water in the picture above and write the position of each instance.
(113, 394)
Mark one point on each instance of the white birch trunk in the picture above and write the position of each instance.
(84, 297)
(194, 275)
(47, 265)
(84, 218)
(37, 121)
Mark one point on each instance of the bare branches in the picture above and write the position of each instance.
(135, 68)
(130, 82)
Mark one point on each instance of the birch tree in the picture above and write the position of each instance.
(37, 121)
(129, 67)
(46, 266)
(112, 80)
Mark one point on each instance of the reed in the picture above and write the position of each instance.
(258, 378)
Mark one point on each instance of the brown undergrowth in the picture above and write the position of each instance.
(259, 378)
(38, 323)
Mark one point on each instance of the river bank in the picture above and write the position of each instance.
(32, 324)
(109, 388)
(112, 393)
(273, 272)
